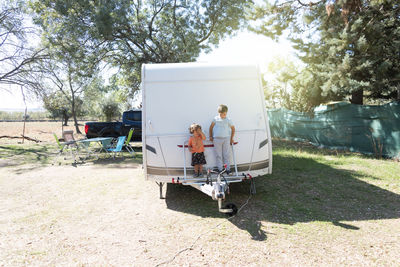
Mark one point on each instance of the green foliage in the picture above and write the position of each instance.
(110, 108)
(19, 115)
(60, 107)
(348, 46)
(130, 33)
(73, 56)
(93, 94)
(290, 85)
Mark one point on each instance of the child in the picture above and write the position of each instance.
(197, 148)
(221, 133)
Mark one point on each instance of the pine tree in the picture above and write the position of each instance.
(351, 47)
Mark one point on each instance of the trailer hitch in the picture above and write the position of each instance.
(220, 187)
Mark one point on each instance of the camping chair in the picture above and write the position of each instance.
(118, 148)
(68, 136)
(65, 146)
(127, 145)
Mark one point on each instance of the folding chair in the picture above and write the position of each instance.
(68, 136)
(127, 145)
(65, 146)
(118, 148)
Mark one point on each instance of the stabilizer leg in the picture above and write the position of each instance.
(160, 185)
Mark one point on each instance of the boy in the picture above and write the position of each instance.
(221, 133)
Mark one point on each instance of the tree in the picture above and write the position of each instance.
(73, 61)
(110, 108)
(16, 55)
(350, 47)
(59, 107)
(93, 94)
(137, 32)
(278, 84)
(290, 86)
(65, 78)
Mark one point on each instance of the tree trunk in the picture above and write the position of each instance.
(357, 97)
(65, 116)
(74, 116)
(23, 131)
(76, 124)
(73, 104)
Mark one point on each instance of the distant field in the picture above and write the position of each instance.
(42, 131)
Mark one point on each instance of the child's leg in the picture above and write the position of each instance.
(218, 151)
(226, 153)
(200, 171)
(196, 169)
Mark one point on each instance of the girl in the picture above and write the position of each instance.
(196, 147)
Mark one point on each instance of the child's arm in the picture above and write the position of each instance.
(203, 136)
(190, 145)
(210, 132)
(232, 133)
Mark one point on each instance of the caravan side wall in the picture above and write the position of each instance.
(177, 95)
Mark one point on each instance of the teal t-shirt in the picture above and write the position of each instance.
(222, 127)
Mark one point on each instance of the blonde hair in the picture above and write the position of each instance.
(222, 109)
(193, 127)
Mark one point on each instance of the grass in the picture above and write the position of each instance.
(26, 154)
(45, 154)
(308, 184)
(311, 184)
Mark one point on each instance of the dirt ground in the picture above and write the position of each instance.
(104, 213)
(107, 215)
(42, 131)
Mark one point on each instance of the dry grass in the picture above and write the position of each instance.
(42, 131)
(317, 209)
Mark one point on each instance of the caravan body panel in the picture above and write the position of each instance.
(177, 95)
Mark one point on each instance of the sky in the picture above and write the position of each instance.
(248, 47)
(245, 47)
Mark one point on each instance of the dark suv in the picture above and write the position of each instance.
(130, 119)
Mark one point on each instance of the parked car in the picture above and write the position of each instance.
(130, 119)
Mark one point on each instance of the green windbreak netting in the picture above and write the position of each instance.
(365, 129)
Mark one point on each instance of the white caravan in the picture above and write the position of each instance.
(179, 94)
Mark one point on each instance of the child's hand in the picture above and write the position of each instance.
(232, 141)
(211, 138)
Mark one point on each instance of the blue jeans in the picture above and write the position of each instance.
(222, 152)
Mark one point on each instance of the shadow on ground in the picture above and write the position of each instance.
(299, 190)
(18, 155)
(39, 156)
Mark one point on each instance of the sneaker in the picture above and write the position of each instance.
(195, 175)
(200, 175)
